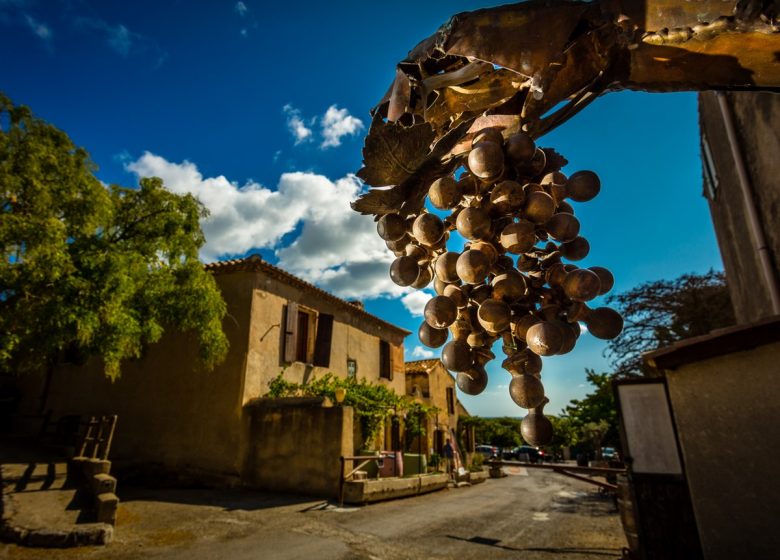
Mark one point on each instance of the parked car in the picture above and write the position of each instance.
(488, 451)
(528, 454)
(609, 454)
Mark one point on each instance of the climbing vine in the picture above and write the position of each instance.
(372, 403)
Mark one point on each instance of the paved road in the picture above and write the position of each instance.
(534, 515)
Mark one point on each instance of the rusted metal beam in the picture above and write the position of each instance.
(594, 470)
(568, 470)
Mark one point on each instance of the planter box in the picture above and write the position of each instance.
(367, 491)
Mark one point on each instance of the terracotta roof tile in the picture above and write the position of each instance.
(420, 365)
(255, 263)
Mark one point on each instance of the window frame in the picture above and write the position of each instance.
(293, 314)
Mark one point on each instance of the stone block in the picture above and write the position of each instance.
(105, 508)
(102, 484)
(48, 539)
(96, 466)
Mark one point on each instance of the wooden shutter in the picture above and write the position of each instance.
(323, 342)
(290, 331)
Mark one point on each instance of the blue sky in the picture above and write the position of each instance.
(260, 109)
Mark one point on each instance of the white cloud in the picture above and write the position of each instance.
(337, 248)
(296, 125)
(414, 302)
(422, 353)
(241, 8)
(42, 30)
(583, 328)
(337, 123)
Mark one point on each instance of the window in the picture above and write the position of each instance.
(351, 368)
(385, 367)
(438, 441)
(450, 400)
(307, 336)
(303, 344)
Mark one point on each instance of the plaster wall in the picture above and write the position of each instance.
(354, 337)
(757, 120)
(433, 386)
(440, 380)
(297, 448)
(171, 412)
(725, 409)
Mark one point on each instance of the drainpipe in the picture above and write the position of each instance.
(753, 222)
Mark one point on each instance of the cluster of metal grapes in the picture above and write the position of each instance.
(511, 281)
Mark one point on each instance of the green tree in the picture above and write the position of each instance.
(88, 269)
(565, 433)
(501, 432)
(662, 312)
(595, 409)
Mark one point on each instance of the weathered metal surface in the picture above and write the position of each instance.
(465, 108)
(517, 62)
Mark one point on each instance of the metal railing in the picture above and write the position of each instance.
(566, 470)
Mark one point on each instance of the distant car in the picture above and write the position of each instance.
(488, 451)
(609, 454)
(529, 454)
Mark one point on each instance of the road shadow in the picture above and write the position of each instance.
(593, 504)
(557, 551)
(231, 499)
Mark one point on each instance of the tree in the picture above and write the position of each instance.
(659, 313)
(501, 432)
(656, 314)
(93, 270)
(595, 409)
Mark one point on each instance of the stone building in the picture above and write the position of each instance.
(740, 151)
(431, 383)
(214, 425)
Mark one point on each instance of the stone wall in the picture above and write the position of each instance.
(295, 445)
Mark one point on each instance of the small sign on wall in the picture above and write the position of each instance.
(351, 368)
(650, 439)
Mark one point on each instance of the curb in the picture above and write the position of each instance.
(97, 534)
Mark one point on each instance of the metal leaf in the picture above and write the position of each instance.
(393, 152)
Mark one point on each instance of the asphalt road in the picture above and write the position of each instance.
(533, 515)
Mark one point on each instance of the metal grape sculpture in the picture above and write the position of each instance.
(459, 126)
(511, 280)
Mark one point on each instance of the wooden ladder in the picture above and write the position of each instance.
(98, 437)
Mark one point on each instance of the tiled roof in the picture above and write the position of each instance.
(255, 263)
(420, 365)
